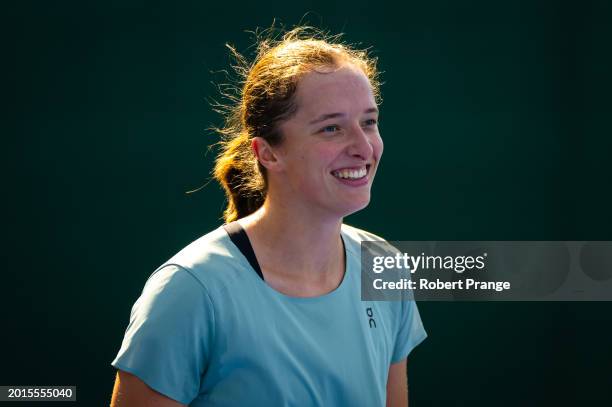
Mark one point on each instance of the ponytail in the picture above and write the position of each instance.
(237, 171)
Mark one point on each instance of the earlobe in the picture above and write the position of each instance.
(265, 154)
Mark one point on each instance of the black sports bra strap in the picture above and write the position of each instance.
(239, 237)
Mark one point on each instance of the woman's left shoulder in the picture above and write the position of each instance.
(360, 235)
(353, 237)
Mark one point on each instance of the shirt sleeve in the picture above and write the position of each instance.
(168, 340)
(410, 332)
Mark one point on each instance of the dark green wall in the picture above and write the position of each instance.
(496, 119)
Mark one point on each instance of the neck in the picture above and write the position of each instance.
(314, 246)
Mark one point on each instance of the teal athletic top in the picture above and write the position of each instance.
(208, 331)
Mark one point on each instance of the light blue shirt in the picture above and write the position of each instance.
(207, 331)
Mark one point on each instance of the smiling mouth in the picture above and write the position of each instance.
(352, 173)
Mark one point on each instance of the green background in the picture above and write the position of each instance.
(496, 121)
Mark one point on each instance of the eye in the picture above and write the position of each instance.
(330, 129)
(370, 122)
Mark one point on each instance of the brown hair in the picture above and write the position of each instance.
(264, 98)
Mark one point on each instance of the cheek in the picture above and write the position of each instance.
(323, 156)
(314, 160)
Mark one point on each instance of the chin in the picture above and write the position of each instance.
(355, 206)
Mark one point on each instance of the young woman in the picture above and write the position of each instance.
(266, 310)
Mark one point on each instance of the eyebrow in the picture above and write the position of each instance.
(335, 115)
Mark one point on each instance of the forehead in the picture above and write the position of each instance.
(346, 89)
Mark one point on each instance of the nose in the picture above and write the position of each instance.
(360, 144)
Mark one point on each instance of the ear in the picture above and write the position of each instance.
(266, 156)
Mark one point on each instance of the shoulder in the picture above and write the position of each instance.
(213, 246)
(213, 260)
(355, 236)
(360, 234)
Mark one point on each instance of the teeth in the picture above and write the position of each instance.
(351, 174)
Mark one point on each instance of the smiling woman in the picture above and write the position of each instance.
(329, 163)
(266, 309)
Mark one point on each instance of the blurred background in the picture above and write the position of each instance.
(496, 121)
